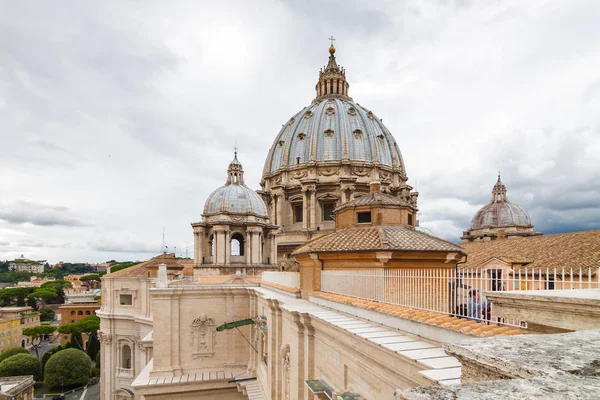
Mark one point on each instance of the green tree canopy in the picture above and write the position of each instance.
(46, 314)
(21, 364)
(11, 352)
(69, 367)
(91, 277)
(89, 325)
(57, 284)
(44, 294)
(36, 332)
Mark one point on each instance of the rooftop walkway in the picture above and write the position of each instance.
(437, 366)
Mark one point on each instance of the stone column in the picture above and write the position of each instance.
(215, 236)
(278, 204)
(197, 256)
(249, 247)
(273, 247)
(304, 209)
(313, 209)
(227, 247)
(255, 248)
(220, 247)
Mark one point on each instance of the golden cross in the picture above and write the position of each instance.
(332, 39)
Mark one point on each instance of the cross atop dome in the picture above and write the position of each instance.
(332, 79)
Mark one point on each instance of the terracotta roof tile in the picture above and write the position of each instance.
(288, 289)
(377, 238)
(445, 321)
(569, 250)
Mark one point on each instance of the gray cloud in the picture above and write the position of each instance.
(26, 212)
(127, 116)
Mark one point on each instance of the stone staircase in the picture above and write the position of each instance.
(252, 389)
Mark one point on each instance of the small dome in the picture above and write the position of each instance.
(235, 199)
(500, 213)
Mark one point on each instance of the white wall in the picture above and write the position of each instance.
(291, 279)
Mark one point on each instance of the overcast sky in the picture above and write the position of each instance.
(118, 118)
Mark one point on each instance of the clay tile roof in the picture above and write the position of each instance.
(432, 318)
(141, 270)
(376, 238)
(138, 270)
(169, 259)
(288, 289)
(569, 250)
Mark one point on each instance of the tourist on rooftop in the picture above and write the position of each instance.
(475, 307)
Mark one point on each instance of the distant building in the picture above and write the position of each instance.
(34, 281)
(73, 312)
(16, 387)
(24, 265)
(12, 322)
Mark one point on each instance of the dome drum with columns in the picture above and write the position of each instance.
(499, 219)
(235, 233)
(324, 156)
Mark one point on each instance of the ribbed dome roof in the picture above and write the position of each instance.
(500, 212)
(235, 197)
(333, 129)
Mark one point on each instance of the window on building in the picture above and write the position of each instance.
(298, 213)
(410, 219)
(328, 211)
(87, 312)
(550, 283)
(9, 324)
(363, 217)
(72, 321)
(72, 312)
(126, 357)
(211, 244)
(237, 244)
(79, 312)
(125, 299)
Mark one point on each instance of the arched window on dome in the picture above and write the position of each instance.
(211, 244)
(237, 244)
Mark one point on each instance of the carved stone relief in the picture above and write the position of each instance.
(328, 171)
(285, 365)
(359, 172)
(203, 336)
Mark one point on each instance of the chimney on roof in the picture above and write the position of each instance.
(162, 276)
(375, 187)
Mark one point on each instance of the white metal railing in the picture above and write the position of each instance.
(452, 291)
(291, 279)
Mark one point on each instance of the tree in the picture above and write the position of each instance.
(91, 277)
(49, 354)
(69, 367)
(46, 314)
(89, 325)
(44, 295)
(11, 352)
(98, 360)
(59, 285)
(36, 333)
(21, 364)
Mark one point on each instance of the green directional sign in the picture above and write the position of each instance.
(235, 324)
